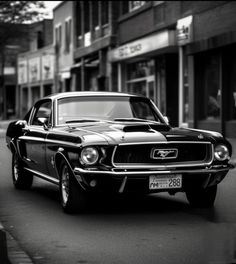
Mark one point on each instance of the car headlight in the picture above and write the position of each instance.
(89, 155)
(221, 152)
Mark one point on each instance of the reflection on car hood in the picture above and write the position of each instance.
(130, 132)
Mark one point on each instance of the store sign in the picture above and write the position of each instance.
(185, 30)
(34, 69)
(47, 67)
(155, 42)
(22, 71)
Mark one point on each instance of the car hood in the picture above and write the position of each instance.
(129, 132)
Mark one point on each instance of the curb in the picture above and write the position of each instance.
(10, 250)
(3, 246)
(16, 255)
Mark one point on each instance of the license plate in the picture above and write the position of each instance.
(165, 181)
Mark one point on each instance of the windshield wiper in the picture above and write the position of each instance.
(81, 120)
(135, 120)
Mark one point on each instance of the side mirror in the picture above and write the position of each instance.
(21, 123)
(166, 119)
(43, 121)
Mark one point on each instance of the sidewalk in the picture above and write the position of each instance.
(10, 251)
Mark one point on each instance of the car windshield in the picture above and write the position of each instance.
(90, 109)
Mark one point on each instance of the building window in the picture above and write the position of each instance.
(95, 14)
(105, 12)
(40, 43)
(58, 36)
(86, 17)
(124, 7)
(78, 21)
(67, 35)
(134, 5)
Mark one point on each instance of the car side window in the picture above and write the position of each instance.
(142, 110)
(43, 110)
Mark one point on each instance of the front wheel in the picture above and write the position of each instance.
(73, 197)
(202, 198)
(21, 178)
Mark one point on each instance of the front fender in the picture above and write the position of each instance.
(63, 155)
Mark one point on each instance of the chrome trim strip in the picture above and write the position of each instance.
(32, 138)
(146, 173)
(165, 142)
(43, 176)
(49, 141)
(125, 166)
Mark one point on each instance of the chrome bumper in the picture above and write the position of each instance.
(208, 170)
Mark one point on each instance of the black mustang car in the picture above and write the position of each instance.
(93, 142)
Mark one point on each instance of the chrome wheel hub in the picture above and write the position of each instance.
(16, 169)
(65, 184)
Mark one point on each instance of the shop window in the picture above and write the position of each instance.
(209, 97)
(67, 35)
(185, 91)
(140, 69)
(229, 82)
(140, 78)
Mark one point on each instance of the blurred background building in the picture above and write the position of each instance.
(181, 54)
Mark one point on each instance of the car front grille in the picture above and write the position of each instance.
(188, 153)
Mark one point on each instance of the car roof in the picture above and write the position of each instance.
(87, 93)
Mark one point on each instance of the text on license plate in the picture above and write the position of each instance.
(165, 181)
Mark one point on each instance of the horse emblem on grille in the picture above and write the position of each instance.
(164, 153)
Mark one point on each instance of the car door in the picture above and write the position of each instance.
(35, 135)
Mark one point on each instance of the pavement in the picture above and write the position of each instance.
(10, 250)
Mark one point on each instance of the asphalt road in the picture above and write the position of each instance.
(155, 229)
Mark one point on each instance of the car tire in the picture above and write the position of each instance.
(21, 178)
(73, 197)
(202, 198)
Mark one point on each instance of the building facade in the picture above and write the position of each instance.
(211, 65)
(146, 56)
(181, 54)
(36, 67)
(95, 36)
(14, 39)
(63, 24)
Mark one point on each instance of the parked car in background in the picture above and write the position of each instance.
(93, 142)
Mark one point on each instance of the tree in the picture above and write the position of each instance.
(13, 14)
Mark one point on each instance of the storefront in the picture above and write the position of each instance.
(208, 77)
(149, 67)
(215, 82)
